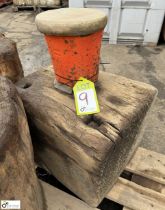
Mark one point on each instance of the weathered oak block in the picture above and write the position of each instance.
(87, 154)
(18, 180)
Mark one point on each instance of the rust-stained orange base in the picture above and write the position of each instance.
(75, 57)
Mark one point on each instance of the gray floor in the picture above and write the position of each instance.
(138, 63)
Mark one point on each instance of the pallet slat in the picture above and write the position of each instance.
(135, 196)
(58, 200)
(148, 164)
(145, 182)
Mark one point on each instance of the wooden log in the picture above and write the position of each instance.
(58, 200)
(87, 154)
(18, 180)
(135, 196)
(10, 65)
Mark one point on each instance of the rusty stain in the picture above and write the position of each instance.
(66, 41)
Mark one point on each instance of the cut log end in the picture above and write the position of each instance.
(10, 65)
(18, 180)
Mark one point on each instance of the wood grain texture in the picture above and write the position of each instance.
(10, 65)
(18, 180)
(87, 154)
(59, 200)
(135, 196)
(148, 164)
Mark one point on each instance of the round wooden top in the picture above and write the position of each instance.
(71, 21)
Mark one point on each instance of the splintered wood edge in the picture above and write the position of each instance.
(136, 197)
(57, 199)
(148, 164)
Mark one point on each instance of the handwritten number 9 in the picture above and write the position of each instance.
(83, 96)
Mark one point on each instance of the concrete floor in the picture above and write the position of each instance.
(138, 63)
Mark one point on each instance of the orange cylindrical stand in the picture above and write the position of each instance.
(75, 56)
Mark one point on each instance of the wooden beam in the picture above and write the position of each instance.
(135, 196)
(59, 200)
(87, 153)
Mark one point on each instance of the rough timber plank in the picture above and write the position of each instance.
(58, 200)
(18, 179)
(135, 196)
(88, 153)
(148, 164)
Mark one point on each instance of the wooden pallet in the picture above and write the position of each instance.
(145, 191)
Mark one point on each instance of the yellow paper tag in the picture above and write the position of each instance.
(85, 97)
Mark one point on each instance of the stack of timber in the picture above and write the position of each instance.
(87, 154)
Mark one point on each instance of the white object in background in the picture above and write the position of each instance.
(114, 21)
(153, 26)
(129, 21)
